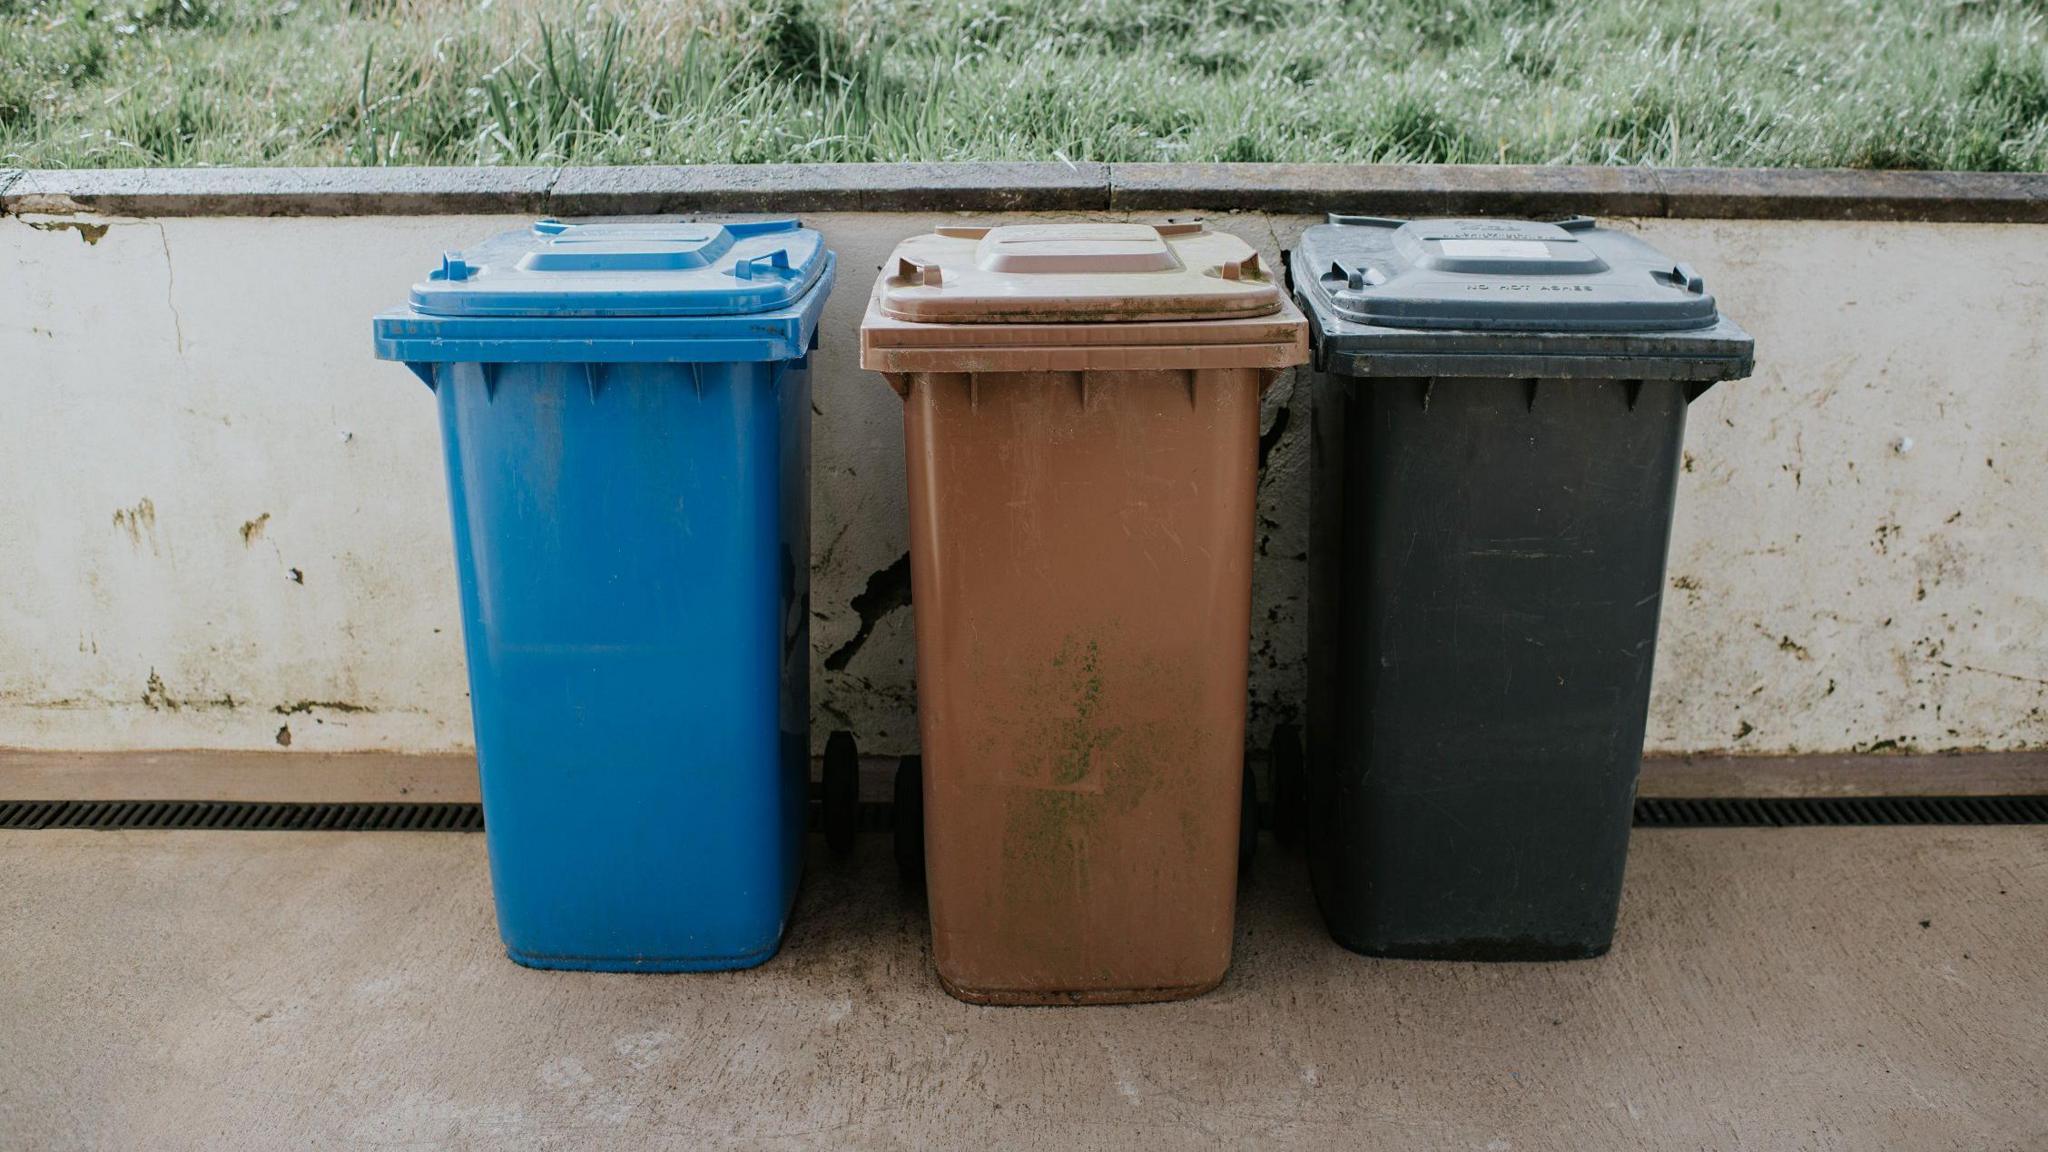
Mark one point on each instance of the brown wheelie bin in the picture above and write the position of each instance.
(1081, 411)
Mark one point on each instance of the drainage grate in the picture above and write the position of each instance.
(236, 816)
(1658, 812)
(1840, 811)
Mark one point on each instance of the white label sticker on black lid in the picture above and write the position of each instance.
(1496, 249)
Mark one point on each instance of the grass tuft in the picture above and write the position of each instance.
(173, 133)
(1416, 131)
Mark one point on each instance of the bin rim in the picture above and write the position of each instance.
(1365, 352)
(1272, 341)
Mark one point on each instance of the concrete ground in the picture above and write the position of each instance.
(1839, 988)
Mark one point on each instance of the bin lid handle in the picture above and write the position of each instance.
(929, 275)
(774, 263)
(1355, 279)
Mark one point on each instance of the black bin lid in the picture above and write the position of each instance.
(1512, 275)
(1494, 289)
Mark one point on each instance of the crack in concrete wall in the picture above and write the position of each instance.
(171, 288)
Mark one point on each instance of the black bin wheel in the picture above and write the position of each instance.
(1248, 823)
(908, 827)
(842, 791)
(1290, 783)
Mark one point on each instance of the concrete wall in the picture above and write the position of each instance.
(222, 523)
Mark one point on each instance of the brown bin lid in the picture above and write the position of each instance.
(1075, 272)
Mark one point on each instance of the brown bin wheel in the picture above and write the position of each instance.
(1248, 823)
(908, 826)
(1290, 782)
(842, 791)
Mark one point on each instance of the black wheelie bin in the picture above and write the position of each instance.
(1498, 413)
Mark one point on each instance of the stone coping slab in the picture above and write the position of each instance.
(1303, 189)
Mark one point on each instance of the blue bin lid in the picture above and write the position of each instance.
(665, 268)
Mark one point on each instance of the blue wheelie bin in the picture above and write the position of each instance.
(625, 415)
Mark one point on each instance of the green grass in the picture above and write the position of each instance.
(1947, 84)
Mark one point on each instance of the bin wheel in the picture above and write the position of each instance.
(1290, 783)
(908, 826)
(842, 791)
(1248, 823)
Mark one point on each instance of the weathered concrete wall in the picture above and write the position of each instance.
(223, 523)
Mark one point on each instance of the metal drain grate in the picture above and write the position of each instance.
(240, 816)
(1659, 812)
(1840, 811)
(235, 816)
